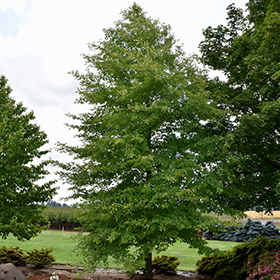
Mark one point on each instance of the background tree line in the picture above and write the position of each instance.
(62, 215)
(54, 204)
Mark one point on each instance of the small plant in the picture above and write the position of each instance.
(165, 264)
(79, 276)
(13, 255)
(27, 274)
(40, 258)
(54, 276)
(267, 267)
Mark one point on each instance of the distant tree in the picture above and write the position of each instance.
(54, 204)
(21, 143)
(137, 168)
(62, 215)
(247, 51)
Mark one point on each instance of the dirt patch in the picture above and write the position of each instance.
(76, 273)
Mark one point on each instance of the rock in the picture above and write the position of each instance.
(9, 272)
(69, 268)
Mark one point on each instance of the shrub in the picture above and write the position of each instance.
(40, 258)
(249, 231)
(233, 264)
(165, 264)
(12, 255)
(267, 267)
(213, 266)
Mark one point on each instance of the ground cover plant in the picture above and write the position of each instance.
(63, 246)
(267, 267)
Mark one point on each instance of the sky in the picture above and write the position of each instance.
(42, 40)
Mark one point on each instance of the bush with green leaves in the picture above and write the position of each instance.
(40, 258)
(233, 264)
(19, 257)
(165, 264)
(13, 255)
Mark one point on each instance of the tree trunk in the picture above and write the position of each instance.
(148, 272)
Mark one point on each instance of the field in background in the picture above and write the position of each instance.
(63, 247)
(256, 215)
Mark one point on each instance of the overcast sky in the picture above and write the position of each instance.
(42, 40)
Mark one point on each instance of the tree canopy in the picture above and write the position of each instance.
(137, 167)
(247, 51)
(21, 143)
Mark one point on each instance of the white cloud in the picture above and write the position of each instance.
(17, 5)
(16, 10)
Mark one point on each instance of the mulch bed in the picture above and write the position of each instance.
(70, 273)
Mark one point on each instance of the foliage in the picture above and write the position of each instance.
(249, 231)
(267, 267)
(165, 264)
(21, 143)
(233, 264)
(27, 274)
(137, 168)
(18, 256)
(40, 258)
(56, 204)
(14, 255)
(80, 275)
(247, 51)
(62, 215)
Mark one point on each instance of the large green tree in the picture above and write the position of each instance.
(21, 143)
(247, 51)
(137, 167)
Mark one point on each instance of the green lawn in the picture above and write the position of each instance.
(188, 257)
(63, 249)
(60, 242)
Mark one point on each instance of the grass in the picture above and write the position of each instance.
(63, 247)
(60, 242)
(188, 257)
